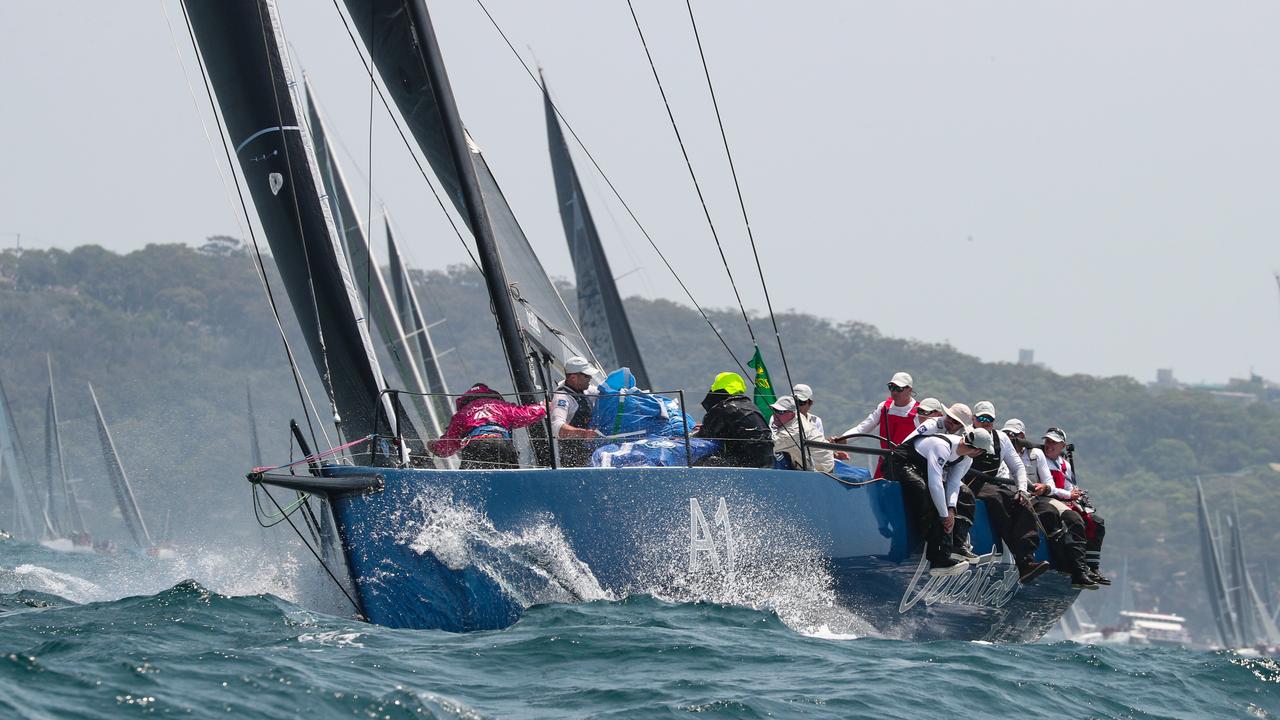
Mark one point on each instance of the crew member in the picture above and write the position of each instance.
(999, 480)
(571, 413)
(955, 420)
(733, 419)
(930, 468)
(1063, 524)
(787, 424)
(893, 420)
(481, 428)
(1059, 484)
(930, 407)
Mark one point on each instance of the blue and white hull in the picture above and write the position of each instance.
(470, 550)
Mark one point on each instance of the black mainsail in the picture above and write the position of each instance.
(245, 59)
(414, 321)
(403, 47)
(364, 270)
(1219, 600)
(600, 312)
(125, 498)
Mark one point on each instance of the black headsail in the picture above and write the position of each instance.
(1219, 600)
(415, 324)
(15, 472)
(403, 47)
(600, 313)
(125, 498)
(364, 270)
(245, 59)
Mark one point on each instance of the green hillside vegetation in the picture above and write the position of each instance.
(171, 336)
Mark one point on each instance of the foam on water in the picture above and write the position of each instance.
(533, 565)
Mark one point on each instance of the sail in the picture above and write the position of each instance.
(1240, 602)
(600, 313)
(399, 49)
(16, 474)
(64, 508)
(1214, 580)
(125, 498)
(415, 323)
(363, 268)
(248, 68)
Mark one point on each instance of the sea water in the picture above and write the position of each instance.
(234, 633)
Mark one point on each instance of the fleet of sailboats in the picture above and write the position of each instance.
(1242, 618)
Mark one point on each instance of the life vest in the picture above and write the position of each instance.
(1058, 469)
(988, 463)
(582, 416)
(895, 428)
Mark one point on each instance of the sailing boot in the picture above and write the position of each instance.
(1029, 569)
(1096, 576)
(1082, 581)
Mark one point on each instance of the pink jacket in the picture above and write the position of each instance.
(481, 405)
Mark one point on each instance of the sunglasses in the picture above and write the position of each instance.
(985, 418)
(895, 388)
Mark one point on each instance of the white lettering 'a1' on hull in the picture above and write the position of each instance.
(703, 547)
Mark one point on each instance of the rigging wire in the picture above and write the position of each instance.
(319, 559)
(303, 394)
(368, 66)
(755, 253)
(693, 176)
(616, 193)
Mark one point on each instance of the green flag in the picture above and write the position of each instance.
(764, 396)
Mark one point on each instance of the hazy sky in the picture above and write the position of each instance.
(1096, 181)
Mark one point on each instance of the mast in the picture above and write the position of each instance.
(413, 319)
(363, 267)
(125, 498)
(1219, 602)
(601, 315)
(495, 276)
(244, 57)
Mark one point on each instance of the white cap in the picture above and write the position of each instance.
(981, 439)
(1055, 434)
(786, 403)
(577, 364)
(901, 379)
(1015, 425)
(802, 392)
(932, 405)
(984, 408)
(961, 414)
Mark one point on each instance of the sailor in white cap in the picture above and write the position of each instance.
(999, 480)
(571, 411)
(786, 427)
(954, 420)
(930, 407)
(930, 469)
(1061, 501)
(893, 420)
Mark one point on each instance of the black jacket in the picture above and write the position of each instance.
(737, 423)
